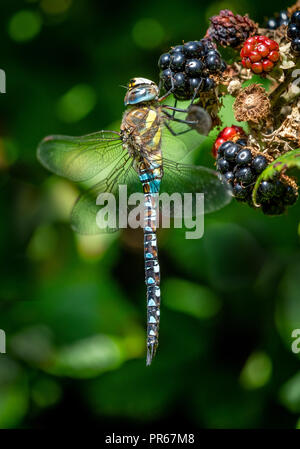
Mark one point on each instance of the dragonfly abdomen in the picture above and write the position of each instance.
(152, 274)
(151, 182)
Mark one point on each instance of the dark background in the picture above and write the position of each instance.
(73, 307)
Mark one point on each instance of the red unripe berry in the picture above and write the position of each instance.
(268, 42)
(247, 49)
(248, 63)
(267, 65)
(273, 45)
(263, 50)
(251, 40)
(255, 56)
(273, 56)
(257, 67)
(228, 132)
(259, 54)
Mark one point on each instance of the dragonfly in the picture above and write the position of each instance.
(145, 156)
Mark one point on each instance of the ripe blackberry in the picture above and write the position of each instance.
(223, 165)
(283, 18)
(230, 30)
(241, 167)
(208, 84)
(280, 19)
(231, 152)
(259, 164)
(223, 147)
(213, 61)
(272, 24)
(166, 76)
(273, 208)
(230, 133)
(244, 175)
(267, 190)
(192, 49)
(290, 196)
(260, 54)
(229, 176)
(295, 46)
(293, 32)
(164, 61)
(296, 17)
(244, 157)
(239, 192)
(196, 61)
(194, 67)
(177, 62)
(242, 142)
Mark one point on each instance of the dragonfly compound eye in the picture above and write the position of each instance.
(141, 90)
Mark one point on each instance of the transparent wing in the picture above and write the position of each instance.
(183, 178)
(178, 178)
(80, 158)
(177, 147)
(84, 214)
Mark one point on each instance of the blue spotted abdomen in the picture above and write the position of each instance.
(151, 185)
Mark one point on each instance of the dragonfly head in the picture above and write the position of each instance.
(140, 90)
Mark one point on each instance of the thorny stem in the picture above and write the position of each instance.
(276, 98)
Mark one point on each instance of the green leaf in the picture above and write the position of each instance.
(281, 164)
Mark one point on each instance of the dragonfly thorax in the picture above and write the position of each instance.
(141, 131)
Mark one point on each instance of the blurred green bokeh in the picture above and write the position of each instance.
(73, 307)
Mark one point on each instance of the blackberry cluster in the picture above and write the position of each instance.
(241, 168)
(293, 32)
(275, 22)
(188, 68)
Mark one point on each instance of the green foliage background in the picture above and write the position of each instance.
(72, 307)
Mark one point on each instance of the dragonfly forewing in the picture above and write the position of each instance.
(80, 158)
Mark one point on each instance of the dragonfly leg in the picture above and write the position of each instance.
(160, 84)
(174, 110)
(174, 133)
(167, 93)
(196, 91)
(175, 119)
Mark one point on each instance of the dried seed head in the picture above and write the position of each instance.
(230, 30)
(252, 104)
